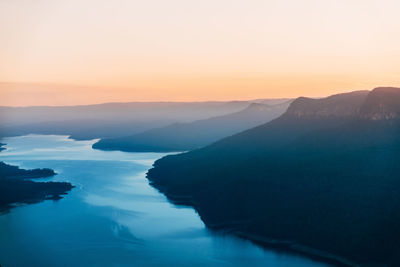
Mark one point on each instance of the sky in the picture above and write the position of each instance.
(57, 52)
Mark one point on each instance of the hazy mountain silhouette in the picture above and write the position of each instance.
(110, 119)
(187, 136)
(322, 179)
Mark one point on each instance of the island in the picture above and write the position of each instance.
(322, 179)
(16, 186)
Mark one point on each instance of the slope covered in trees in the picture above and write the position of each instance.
(188, 136)
(324, 178)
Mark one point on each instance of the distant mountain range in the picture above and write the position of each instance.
(322, 179)
(111, 119)
(188, 136)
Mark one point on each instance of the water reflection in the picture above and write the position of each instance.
(113, 217)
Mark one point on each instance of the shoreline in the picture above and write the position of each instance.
(18, 186)
(296, 248)
(264, 242)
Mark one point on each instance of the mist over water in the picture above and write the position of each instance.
(113, 217)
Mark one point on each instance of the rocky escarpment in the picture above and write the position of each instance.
(383, 103)
(340, 105)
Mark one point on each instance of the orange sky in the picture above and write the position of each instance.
(55, 52)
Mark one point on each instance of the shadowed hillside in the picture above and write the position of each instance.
(322, 179)
(188, 136)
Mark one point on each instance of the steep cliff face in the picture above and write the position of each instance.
(340, 105)
(383, 103)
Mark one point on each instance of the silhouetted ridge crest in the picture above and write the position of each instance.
(257, 106)
(383, 103)
(188, 136)
(340, 105)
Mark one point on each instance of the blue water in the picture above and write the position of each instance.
(113, 217)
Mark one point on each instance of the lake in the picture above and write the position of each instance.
(113, 217)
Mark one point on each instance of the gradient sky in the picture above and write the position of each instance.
(57, 52)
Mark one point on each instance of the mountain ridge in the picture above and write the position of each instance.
(339, 105)
(382, 104)
(192, 135)
(329, 183)
(109, 120)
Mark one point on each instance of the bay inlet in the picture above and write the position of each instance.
(113, 217)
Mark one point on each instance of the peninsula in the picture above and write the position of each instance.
(16, 186)
(322, 179)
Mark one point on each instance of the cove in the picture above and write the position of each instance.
(113, 217)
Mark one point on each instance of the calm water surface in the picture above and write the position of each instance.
(113, 217)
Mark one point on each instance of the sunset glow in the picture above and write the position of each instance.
(56, 52)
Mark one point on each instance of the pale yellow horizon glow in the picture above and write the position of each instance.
(55, 52)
